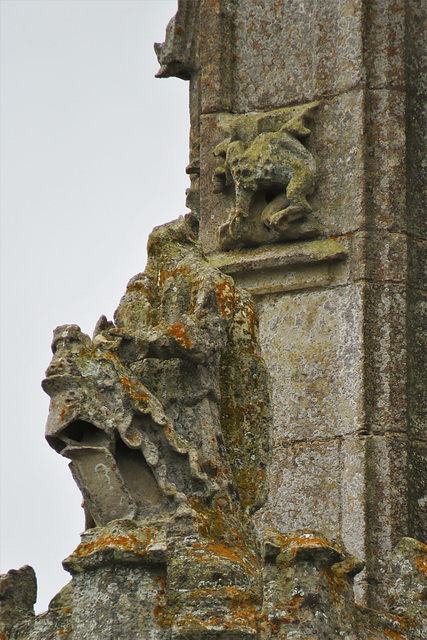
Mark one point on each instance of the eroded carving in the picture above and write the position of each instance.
(178, 55)
(165, 392)
(165, 416)
(268, 173)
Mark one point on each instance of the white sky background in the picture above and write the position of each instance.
(93, 155)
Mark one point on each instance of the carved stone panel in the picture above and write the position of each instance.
(268, 173)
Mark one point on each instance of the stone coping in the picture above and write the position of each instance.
(281, 267)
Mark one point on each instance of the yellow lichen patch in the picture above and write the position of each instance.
(179, 332)
(249, 482)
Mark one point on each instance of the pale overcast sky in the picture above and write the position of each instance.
(93, 155)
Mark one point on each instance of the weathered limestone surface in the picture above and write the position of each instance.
(165, 415)
(365, 66)
(308, 190)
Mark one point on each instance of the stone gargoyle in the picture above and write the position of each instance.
(165, 414)
(269, 173)
(173, 396)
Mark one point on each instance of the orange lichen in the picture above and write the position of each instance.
(133, 439)
(137, 395)
(421, 562)
(162, 611)
(179, 332)
(137, 286)
(128, 543)
(308, 539)
(295, 604)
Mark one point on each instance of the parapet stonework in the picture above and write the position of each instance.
(249, 433)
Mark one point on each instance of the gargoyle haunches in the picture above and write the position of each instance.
(269, 173)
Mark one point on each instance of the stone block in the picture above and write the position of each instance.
(215, 209)
(386, 483)
(336, 142)
(417, 364)
(417, 263)
(385, 43)
(379, 256)
(299, 498)
(385, 160)
(216, 42)
(295, 51)
(312, 344)
(122, 600)
(353, 494)
(353, 506)
(417, 479)
(416, 118)
(285, 267)
(385, 357)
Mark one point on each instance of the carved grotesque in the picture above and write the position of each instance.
(165, 417)
(270, 174)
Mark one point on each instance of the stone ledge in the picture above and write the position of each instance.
(282, 267)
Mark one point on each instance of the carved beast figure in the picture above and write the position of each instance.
(165, 416)
(272, 174)
(170, 403)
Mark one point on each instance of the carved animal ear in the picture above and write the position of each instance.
(102, 325)
(296, 127)
(221, 148)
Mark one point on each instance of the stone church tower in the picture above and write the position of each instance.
(249, 432)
